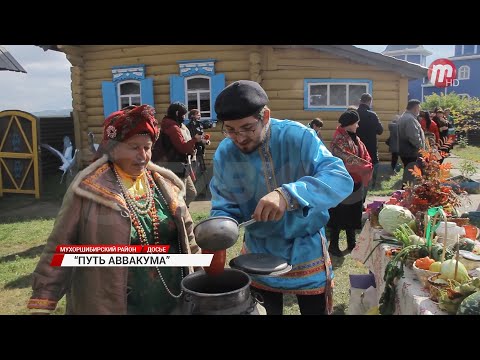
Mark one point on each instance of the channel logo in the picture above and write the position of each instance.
(443, 73)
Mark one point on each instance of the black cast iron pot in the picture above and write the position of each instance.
(227, 293)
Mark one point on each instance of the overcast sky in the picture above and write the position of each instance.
(46, 85)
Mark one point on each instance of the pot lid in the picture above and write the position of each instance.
(261, 264)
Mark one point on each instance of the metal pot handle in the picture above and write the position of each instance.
(189, 304)
(257, 297)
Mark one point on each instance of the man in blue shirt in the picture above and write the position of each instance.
(279, 173)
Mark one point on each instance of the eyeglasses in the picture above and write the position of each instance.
(249, 131)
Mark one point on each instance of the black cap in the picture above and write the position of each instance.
(239, 100)
(349, 117)
(176, 109)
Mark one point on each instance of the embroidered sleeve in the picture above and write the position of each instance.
(292, 203)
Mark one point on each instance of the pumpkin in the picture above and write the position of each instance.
(470, 305)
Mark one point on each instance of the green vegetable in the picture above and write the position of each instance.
(394, 270)
(403, 233)
(465, 244)
(469, 287)
(413, 225)
(437, 250)
(448, 271)
(416, 240)
(470, 305)
(392, 216)
(450, 304)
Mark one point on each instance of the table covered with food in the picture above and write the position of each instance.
(423, 253)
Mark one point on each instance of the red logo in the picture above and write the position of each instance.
(442, 73)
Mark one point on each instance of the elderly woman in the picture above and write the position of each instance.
(348, 214)
(121, 198)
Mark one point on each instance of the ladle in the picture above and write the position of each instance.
(218, 232)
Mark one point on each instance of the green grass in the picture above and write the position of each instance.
(468, 153)
(387, 184)
(22, 243)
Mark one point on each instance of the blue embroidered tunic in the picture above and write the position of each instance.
(312, 179)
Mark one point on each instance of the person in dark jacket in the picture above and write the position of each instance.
(172, 150)
(393, 142)
(369, 127)
(196, 127)
(317, 124)
(411, 138)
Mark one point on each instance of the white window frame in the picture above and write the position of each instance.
(202, 113)
(129, 96)
(464, 72)
(337, 106)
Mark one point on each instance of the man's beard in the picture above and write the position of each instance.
(264, 130)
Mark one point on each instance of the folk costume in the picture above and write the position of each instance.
(347, 215)
(105, 205)
(293, 160)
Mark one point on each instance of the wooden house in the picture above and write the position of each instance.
(302, 81)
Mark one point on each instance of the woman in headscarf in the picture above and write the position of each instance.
(430, 128)
(120, 199)
(444, 143)
(348, 214)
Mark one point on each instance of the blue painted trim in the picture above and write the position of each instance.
(196, 67)
(177, 89)
(146, 92)
(218, 84)
(118, 76)
(306, 82)
(109, 95)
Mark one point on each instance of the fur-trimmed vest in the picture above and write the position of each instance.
(94, 212)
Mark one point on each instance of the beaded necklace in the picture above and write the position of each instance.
(135, 207)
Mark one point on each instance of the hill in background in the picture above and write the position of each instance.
(53, 113)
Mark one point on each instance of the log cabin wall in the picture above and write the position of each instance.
(281, 71)
(160, 62)
(283, 79)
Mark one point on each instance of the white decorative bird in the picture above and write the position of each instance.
(67, 159)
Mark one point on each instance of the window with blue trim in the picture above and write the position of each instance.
(129, 93)
(129, 86)
(197, 86)
(198, 94)
(334, 94)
